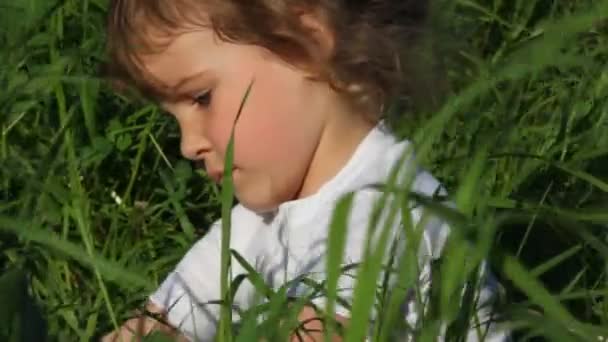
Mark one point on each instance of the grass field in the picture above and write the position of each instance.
(97, 205)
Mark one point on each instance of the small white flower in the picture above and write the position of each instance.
(116, 198)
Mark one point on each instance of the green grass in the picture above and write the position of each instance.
(97, 206)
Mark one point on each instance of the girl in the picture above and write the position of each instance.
(311, 131)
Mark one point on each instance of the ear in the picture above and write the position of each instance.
(322, 34)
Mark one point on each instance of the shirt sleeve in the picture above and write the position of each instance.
(354, 250)
(434, 235)
(484, 328)
(189, 293)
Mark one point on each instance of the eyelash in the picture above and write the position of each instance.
(204, 99)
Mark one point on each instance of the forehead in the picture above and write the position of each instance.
(182, 55)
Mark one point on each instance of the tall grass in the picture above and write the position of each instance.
(97, 205)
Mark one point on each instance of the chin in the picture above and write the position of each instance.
(257, 204)
(258, 196)
(259, 207)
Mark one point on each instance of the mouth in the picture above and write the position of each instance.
(215, 174)
(218, 175)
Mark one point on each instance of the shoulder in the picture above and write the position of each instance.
(244, 226)
(374, 210)
(241, 220)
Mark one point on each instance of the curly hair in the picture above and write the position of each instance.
(373, 38)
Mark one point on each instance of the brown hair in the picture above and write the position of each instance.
(372, 38)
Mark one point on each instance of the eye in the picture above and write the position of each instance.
(204, 99)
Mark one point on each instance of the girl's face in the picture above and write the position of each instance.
(281, 132)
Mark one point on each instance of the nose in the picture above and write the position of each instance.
(194, 145)
(193, 149)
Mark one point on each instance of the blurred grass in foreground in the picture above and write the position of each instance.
(97, 206)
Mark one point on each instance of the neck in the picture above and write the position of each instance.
(343, 133)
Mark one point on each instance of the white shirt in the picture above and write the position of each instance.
(291, 242)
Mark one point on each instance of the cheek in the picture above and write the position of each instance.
(274, 127)
(258, 140)
(277, 119)
(227, 102)
(274, 146)
(221, 120)
(218, 133)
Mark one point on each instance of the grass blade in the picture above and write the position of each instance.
(225, 333)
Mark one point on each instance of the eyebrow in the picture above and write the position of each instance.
(180, 84)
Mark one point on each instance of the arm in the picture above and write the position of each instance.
(311, 329)
(141, 326)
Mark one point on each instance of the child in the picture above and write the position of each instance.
(310, 132)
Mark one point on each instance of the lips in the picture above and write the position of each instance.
(214, 173)
(217, 175)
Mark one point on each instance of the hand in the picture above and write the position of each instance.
(141, 326)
